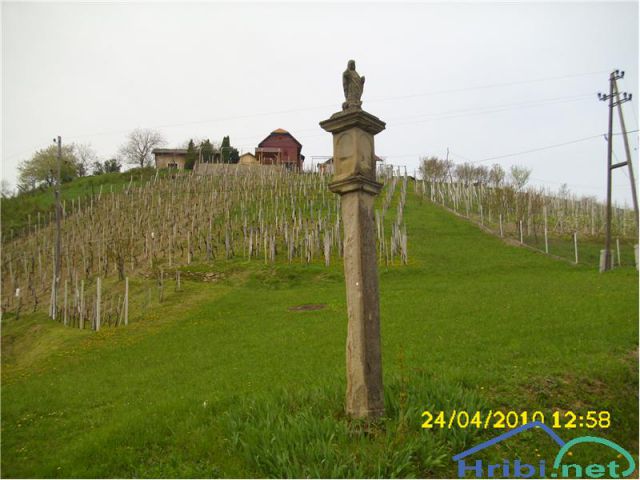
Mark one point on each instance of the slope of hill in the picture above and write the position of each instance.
(151, 229)
(228, 378)
(17, 210)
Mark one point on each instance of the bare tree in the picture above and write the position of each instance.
(86, 156)
(434, 169)
(519, 176)
(564, 192)
(140, 144)
(465, 173)
(496, 175)
(481, 175)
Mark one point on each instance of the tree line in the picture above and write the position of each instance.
(81, 159)
(436, 170)
(207, 152)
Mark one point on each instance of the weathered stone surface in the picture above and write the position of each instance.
(341, 121)
(355, 181)
(353, 85)
(365, 396)
(353, 146)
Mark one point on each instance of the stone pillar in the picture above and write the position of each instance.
(355, 181)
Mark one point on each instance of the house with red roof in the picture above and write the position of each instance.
(280, 148)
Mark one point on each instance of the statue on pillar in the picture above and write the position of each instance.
(354, 180)
(353, 85)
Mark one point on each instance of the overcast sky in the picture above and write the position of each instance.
(483, 80)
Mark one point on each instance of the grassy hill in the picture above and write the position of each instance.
(227, 378)
(16, 210)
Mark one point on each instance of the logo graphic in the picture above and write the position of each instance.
(516, 469)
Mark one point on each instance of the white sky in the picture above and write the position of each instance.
(92, 72)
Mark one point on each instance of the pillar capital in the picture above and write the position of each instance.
(355, 183)
(354, 160)
(341, 121)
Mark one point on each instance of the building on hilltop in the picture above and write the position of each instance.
(248, 159)
(177, 157)
(170, 157)
(326, 166)
(280, 148)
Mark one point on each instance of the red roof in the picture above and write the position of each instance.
(280, 131)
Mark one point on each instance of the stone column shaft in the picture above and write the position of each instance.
(355, 181)
(364, 358)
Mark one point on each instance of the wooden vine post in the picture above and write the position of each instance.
(355, 181)
(98, 302)
(126, 301)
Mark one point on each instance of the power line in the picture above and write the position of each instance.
(439, 115)
(221, 119)
(494, 85)
(635, 118)
(542, 180)
(446, 116)
(516, 104)
(544, 148)
(371, 100)
(512, 154)
(473, 111)
(533, 150)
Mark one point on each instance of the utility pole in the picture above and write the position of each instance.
(58, 259)
(614, 100)
(620, 101)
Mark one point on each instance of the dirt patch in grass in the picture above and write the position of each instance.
(568, 392)
(202, 276)
(307, 307)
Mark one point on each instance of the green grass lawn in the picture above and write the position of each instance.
(223, 379)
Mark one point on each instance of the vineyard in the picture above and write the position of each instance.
(151, 229)
(562, 225)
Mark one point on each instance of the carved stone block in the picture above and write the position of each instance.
(353, 154)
